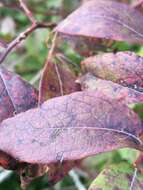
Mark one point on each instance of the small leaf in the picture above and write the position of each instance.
(16, 95)
(71, 127)
(117, 176)
(104, 19)
(128, 154)
(125, 68)
(57, 79)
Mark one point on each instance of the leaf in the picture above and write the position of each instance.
(104, 19)
(129, 155)
(16, 95)
(125, 68)
(57, 79)
(117, 176)
(71, 127)
(109, 88)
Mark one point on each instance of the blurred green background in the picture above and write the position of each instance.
(28, 59)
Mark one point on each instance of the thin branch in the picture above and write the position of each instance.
(59, 79)
(27, 12)
(51, 51)
(49, 58)
(22, 36)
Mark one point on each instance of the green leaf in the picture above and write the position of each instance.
(117, 177)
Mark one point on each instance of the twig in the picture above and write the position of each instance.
(76, 180)
(27, 12)
(133, 179)
(49, 58)
(59, 79)
(22, 36)
(51, 51)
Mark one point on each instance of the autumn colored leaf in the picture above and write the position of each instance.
(125, 68)
(16, 95)
(57, 79)
(104, 19)
(115, 91)
(71, 127)
(119, 177)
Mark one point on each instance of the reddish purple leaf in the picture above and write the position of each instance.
(104, 19)
(115, 91)
(57, 80)
(16, 95)
(70, 127)
(125, 68)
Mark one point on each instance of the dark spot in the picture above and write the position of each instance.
(52, 88)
